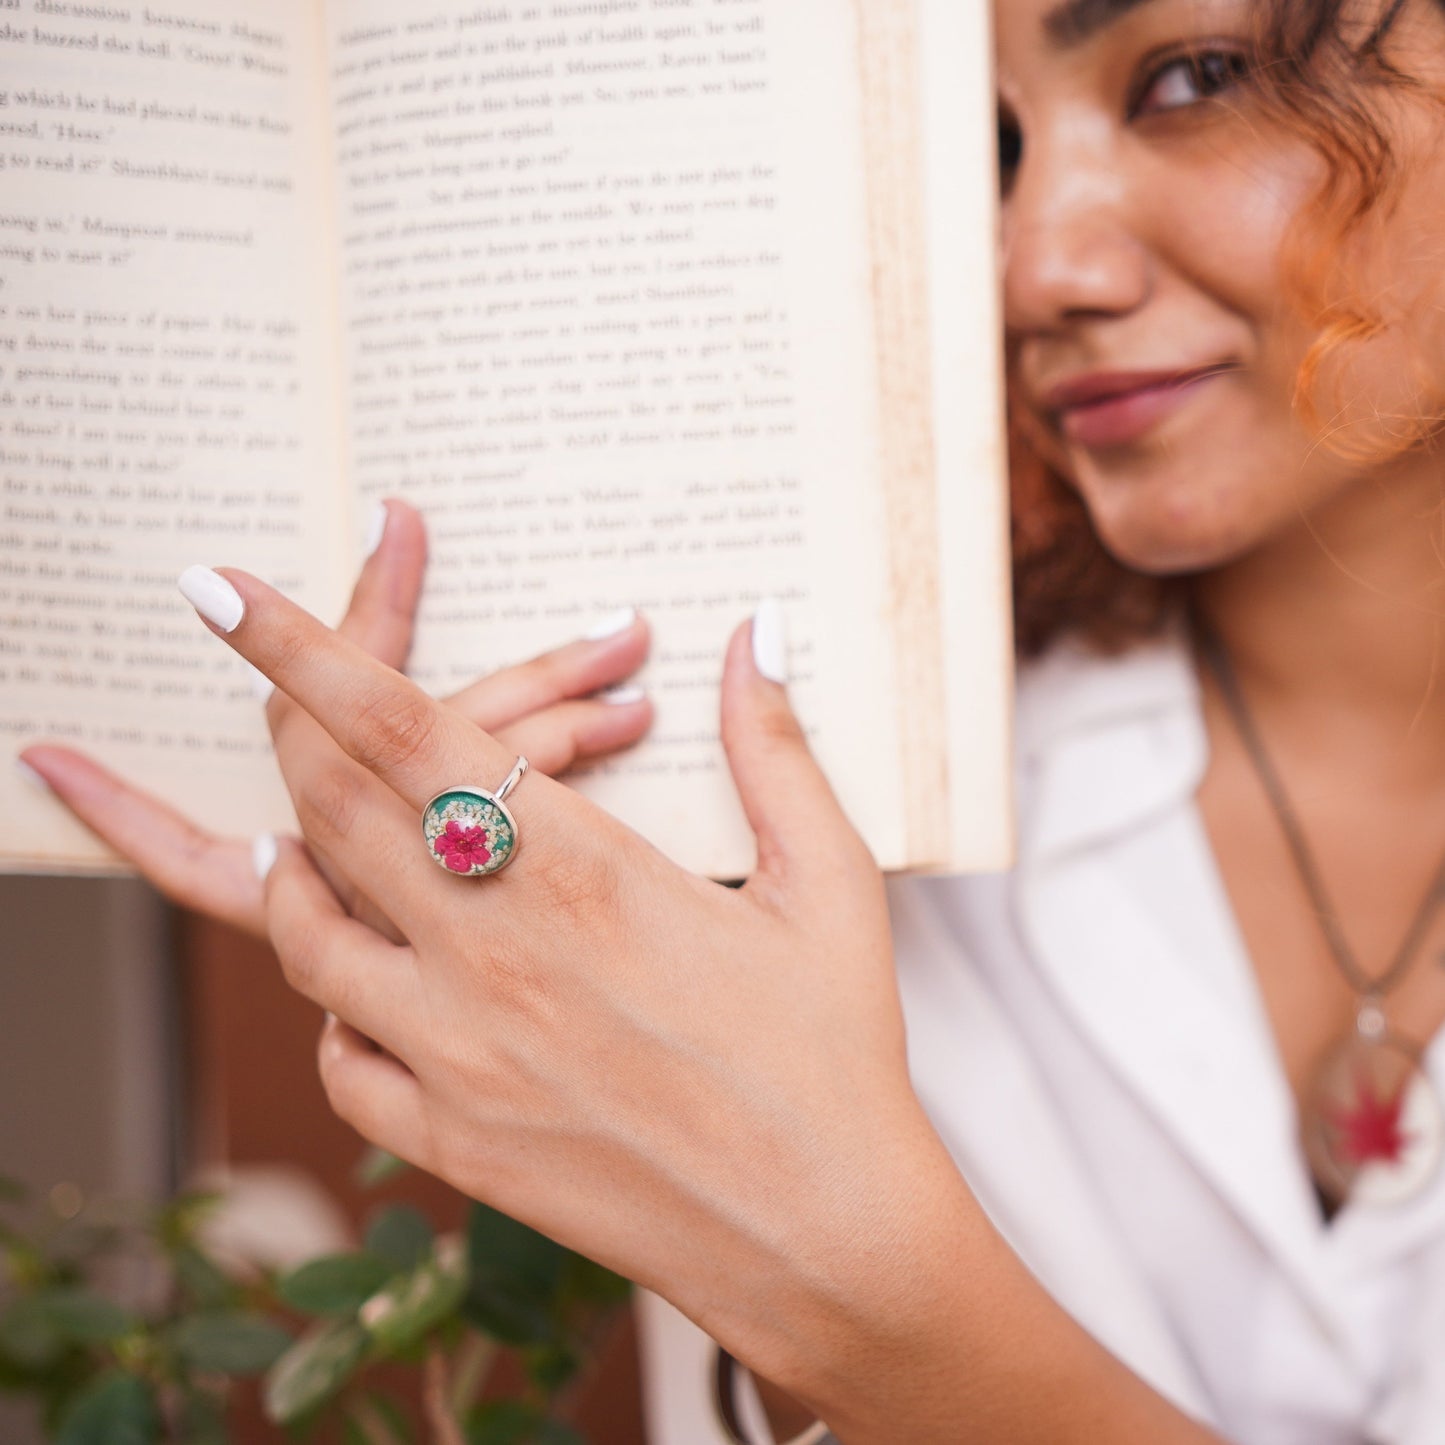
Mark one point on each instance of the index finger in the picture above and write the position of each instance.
(381, 615)
(380, 718)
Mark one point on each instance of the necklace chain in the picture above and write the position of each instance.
(1217, 659)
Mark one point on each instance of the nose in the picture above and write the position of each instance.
(1069, 252)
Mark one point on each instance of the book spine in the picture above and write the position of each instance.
(897, 228)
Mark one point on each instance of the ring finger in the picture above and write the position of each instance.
(558, 738)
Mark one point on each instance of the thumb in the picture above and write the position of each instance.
(382, 613)
(801, 830)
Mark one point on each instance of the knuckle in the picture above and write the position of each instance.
(328, 802)
(395, 724)
(777, 727)
(580, 883)
(288, 651)
(286, 724)
(337, 1080)
(545, 675)
(299, 949)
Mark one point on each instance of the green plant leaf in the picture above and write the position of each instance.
(550, 1367)
(554, 1432)
(377, 1167)
(515, 1422)
(203, 1419)
(590, 1283)
(116, 1409)
(414, 1304)
(314, 1369)
(400, 1235)
(230, 1344)
(176, 1224)
(202, 1278)
(36, 1327)
(335, 1284)
(504, 1422)
(515, 1278)
(28, 1335)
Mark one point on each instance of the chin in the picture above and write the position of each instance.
(1169, 531)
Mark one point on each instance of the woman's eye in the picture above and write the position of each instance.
(1189, 79)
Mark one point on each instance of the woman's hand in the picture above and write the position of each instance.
(555, 709)
(704, 1088)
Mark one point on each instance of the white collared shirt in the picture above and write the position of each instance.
(1087, 1035)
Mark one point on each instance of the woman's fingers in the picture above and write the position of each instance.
(334, 960)
(612, 651)
(560, 737)
(381, 719)
(381, 616)
(375, 1093)
(369, 843)
(801, 829)
(192, 867)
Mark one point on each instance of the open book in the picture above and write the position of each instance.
(674, 304)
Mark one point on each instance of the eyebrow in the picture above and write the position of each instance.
(1074, 22)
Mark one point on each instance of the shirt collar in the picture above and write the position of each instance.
(1104, 744)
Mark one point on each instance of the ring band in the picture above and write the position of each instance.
(470, 831)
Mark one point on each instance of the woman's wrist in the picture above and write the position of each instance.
(867, 1279)
(934, 1327)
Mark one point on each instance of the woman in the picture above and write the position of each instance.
(1224, 297)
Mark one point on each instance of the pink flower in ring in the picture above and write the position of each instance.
(462, 849)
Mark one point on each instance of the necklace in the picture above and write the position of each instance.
(1371, 1123)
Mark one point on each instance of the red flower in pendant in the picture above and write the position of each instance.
(1371, 1126)
(462, 849)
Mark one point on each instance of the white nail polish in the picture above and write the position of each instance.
(330, 1017)
(261, 686)
(32, 778)
(621, 695)
(212, 596)
(375, 529)
(770, 640)
(611, 625)
(263, 854)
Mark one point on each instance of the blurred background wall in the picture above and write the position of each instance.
(89, 1047)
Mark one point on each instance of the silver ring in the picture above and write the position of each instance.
(470, 831)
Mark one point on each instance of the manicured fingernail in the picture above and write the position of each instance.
(261, 686)
(330, 1017)
(611, 625)
(31, 776)
(770, 640)
(376, 528)
(622, 694)
(212, 596)
(263, 854)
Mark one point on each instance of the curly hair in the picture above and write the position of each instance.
(1313, 75)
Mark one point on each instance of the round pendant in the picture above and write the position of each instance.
(1374, 1130)
(469, 832)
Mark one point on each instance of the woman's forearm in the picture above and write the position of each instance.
(952, 1340)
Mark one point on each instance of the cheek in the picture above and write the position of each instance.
(1214, 490)
(1219, 223)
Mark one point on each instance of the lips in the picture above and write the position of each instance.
(1113, 408)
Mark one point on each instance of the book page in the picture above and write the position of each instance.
(606, 306)
(167, 386)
